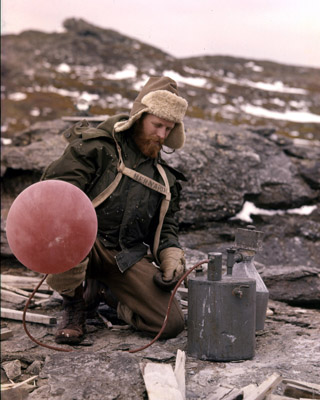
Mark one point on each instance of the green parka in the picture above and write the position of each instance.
(127, 220)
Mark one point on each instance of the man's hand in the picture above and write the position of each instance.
(172, 268)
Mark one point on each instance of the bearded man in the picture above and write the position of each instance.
(137, 258)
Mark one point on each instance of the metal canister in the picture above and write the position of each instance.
(221, 315)
(248, 241)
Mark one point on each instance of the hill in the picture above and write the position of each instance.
(90, 70)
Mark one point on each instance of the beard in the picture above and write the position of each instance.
(150, 146)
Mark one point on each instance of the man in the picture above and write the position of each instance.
(136, 195)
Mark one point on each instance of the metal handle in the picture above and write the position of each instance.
(238, 292)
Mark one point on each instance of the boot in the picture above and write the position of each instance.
(96, 292)
(73, 326)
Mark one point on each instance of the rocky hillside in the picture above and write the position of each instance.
(87, 69)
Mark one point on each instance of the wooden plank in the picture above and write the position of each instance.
(98, 118)
(277, 397)
(180, 372)
(23, 292)
(219, 393)
(234, 394)
(265, 388)
(24, 282)
(248, 390)
(5, 333)
(160, 379)
(302, 384)
(7, 386)
(7, 295)
(30, 317)
(224, 393)
(298, 391)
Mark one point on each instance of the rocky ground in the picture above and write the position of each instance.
(102, 367)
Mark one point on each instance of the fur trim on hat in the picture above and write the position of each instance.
(162, 104)
(166, 105)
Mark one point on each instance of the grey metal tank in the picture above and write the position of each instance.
(248, 242)
(221, 315)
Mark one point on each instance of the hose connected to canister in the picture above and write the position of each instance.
(184, 276)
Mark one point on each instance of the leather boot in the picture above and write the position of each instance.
(96, 292)
(73, 325)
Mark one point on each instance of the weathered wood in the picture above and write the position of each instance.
(183, 293)
(7, 295)
(98, 118)
(234, 394)
(219, 393)
(30, 317)
(226, 393)
(265, 388)
(160, 380)
(5, 333)
(23, 292)
(180, 372)
(303, 384)
(277, 397)
(7, 386)
(298, 391)
(24, 282)
(249, 389)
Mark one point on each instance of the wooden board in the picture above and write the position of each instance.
(160, 380)
(265, 388)
(24, 282)
(30, 317)
(5, 333)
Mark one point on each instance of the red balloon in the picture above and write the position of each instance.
(51, 226)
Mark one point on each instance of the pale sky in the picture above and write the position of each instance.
(286, 31)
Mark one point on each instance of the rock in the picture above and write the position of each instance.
(34, 368)
(226, 165)
(12, 369)
(296, 285)
(100, 376)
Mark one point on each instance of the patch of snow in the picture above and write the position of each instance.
(299, 105)
(196, 71)
(191, 93)
(63, 68)
(304, 142)
(199, 82)
(277, 86)
(293, 116)
(130, 71)
(18, 96)
(221, 89)
(35, 112)
(249, 209)
(138, 85)
(253, 66)
(89, 97)
(217, 99)
(278, 102)
(5, 141)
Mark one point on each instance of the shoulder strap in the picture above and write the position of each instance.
(146, 181)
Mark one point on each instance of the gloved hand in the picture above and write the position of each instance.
(172, 268)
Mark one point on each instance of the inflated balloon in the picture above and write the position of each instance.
(51, 226)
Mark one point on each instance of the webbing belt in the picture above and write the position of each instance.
(146, 181)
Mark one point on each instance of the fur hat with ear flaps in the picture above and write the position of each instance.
(160, 97)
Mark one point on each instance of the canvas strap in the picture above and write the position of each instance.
(146, 181)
